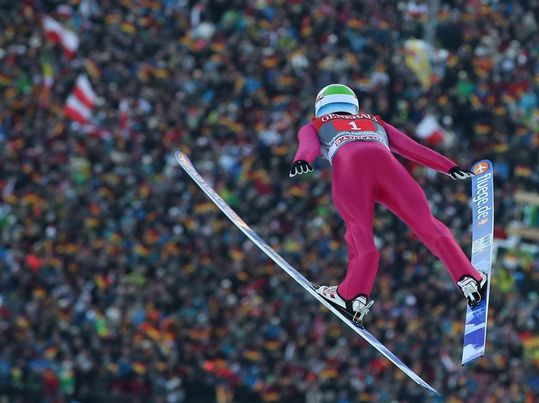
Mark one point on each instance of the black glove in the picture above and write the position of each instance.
(300, 167)
(457, 173)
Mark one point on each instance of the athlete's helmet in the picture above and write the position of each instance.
(335, 98)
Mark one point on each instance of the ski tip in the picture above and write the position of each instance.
(181, 157)
(482, 167)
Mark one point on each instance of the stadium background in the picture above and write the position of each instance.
(120, 282)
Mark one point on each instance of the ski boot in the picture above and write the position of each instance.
(356, 308)
(472, 289)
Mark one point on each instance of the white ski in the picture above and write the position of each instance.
(186, 164)
(475, 329)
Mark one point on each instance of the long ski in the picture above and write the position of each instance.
(475, 329)
(188, 167)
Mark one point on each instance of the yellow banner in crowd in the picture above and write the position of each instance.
(416, 58)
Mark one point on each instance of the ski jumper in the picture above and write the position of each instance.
(359, 148)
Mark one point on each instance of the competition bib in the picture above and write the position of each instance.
(334, 131)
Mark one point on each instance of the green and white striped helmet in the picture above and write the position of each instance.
(335, 98)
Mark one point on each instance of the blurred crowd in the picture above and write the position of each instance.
(120, 281)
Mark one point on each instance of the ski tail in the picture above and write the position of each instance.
(475, 329)
(188, 167)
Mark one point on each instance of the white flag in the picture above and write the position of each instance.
(55, 32)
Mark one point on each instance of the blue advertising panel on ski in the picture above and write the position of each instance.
(475, 330)
(186, 164)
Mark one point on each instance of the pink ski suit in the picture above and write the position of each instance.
(364, 172)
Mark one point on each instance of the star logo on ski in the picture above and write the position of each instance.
(481, 167)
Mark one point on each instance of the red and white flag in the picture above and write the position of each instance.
(55, 32)
(430, 130)
(80, 102)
